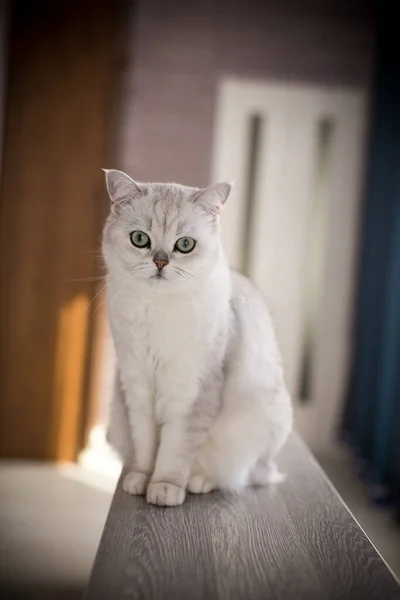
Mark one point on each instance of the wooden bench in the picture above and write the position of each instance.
(294, 541)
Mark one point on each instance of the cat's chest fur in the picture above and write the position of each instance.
(167, 330)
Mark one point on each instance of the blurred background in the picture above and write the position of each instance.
(299, 104)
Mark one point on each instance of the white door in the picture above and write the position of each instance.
(295, 154)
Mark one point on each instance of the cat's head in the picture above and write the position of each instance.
(162, 234)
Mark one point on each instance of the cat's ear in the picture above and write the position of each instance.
(213, 197)
(121, 187)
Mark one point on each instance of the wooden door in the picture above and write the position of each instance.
(62, 85)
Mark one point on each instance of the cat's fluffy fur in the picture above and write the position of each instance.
(200, 401)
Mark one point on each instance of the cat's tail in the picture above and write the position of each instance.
(232, 448)
(235, 444)
(118, 434)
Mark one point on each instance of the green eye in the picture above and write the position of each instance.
(185, 245)
(140, 239)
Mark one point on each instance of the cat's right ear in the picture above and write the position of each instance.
(120, 187)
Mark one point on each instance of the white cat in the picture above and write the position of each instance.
(200, 401)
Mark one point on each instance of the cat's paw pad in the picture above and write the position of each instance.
(165, 494)
(200, 485)
(135, 483)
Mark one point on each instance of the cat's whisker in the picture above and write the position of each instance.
(142, 266)
(183, 272)
(111, 300)
(97, 308)
(95, 252)
(100, 291)
(179, 273)
(77, 279)
(116, 295)
(103, 288)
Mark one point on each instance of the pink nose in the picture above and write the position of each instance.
(161, 264)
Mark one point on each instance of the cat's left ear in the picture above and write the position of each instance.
(213, 197)
(120, 187)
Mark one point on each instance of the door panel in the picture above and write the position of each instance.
(303, 225)
(62, 82)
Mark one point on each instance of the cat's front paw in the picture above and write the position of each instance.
(200, 485)
(165, 494)
(135, 483)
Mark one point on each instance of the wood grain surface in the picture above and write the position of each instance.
(295, 541)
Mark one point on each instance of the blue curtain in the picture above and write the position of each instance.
(372, 415)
